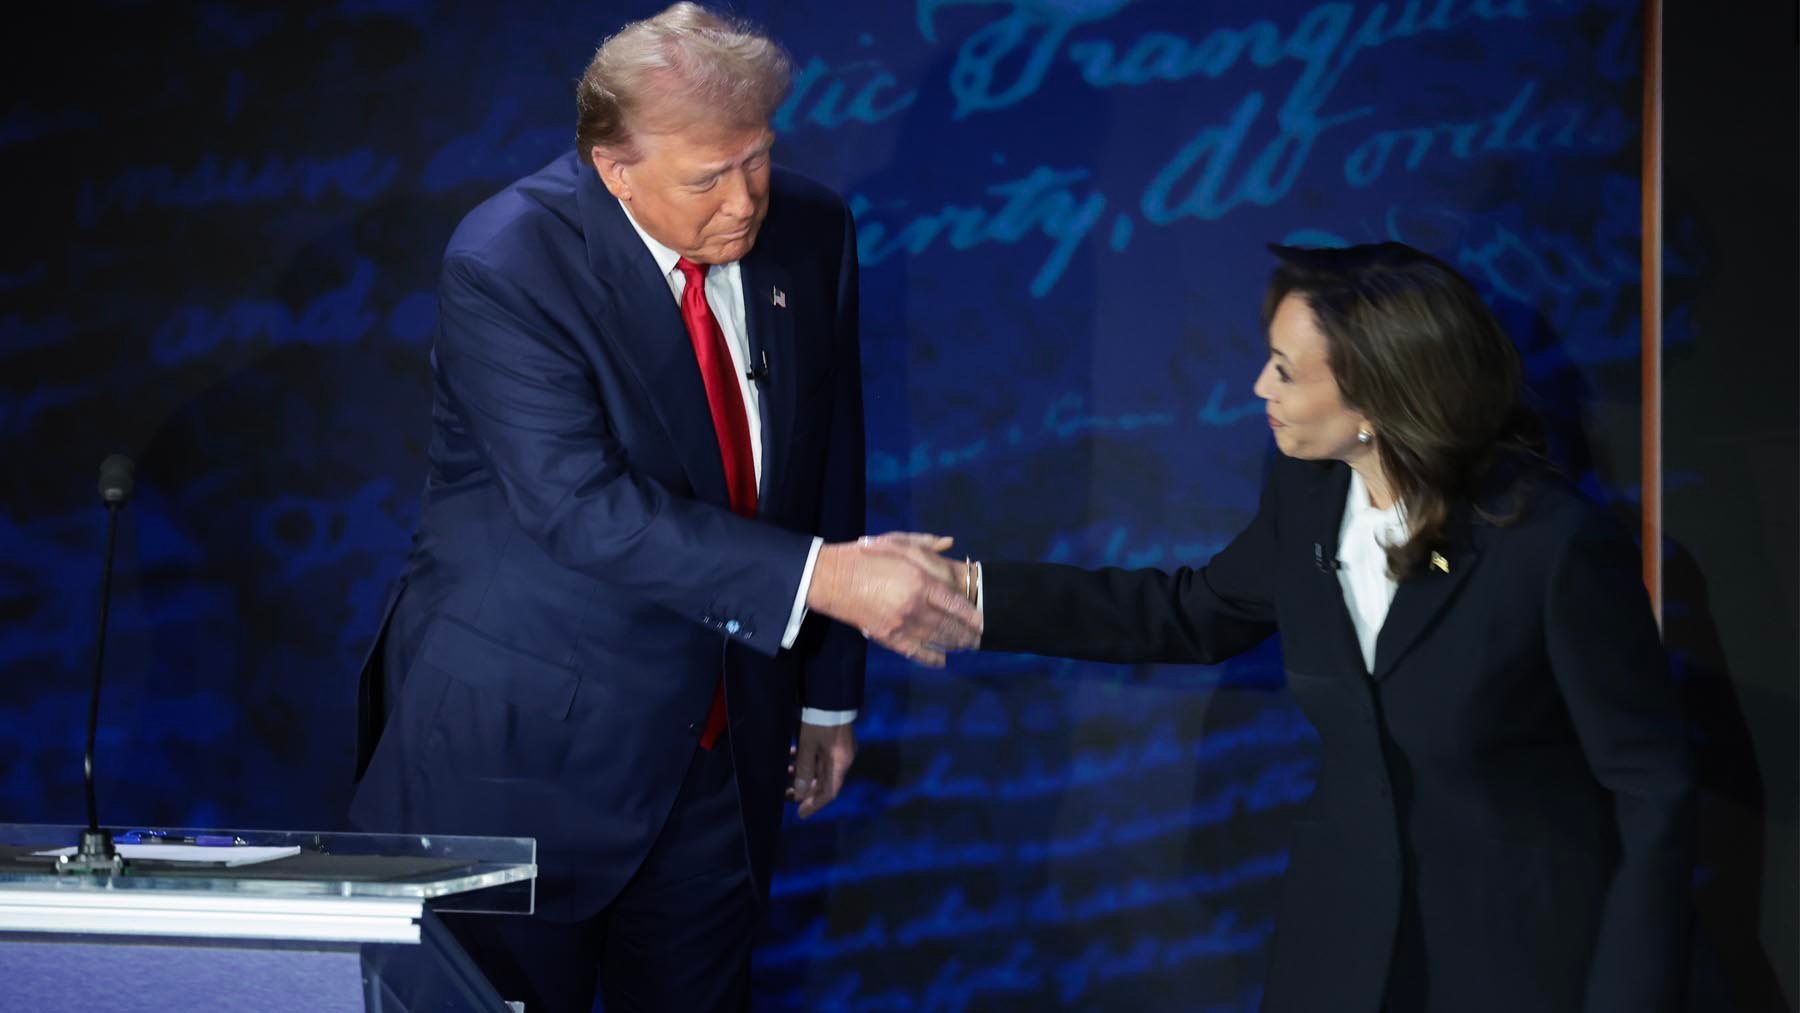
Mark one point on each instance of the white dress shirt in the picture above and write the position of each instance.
(1362, 563)
(725, 290)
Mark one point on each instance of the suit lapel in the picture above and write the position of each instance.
(771, 338)
(647, 329)
(1325, 594)
(1422, 596)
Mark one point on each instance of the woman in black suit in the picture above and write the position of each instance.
(1503, 817)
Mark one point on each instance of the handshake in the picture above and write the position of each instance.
(901, 592)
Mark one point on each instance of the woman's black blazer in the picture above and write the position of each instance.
(1503, 816)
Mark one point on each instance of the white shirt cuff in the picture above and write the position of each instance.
(798, 615)
(811, 715)
(827, 719)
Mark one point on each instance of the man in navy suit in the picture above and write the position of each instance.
(646, 475)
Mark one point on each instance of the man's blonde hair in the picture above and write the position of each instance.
(686, 64)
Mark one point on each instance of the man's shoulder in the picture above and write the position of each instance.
(523, 215)
(798, 186)
(797, 200)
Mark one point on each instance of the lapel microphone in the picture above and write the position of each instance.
(1324, 565)
(759, 374)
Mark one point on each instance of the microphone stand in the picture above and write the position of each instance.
(95, 852)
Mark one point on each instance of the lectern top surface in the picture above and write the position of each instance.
(428, 868)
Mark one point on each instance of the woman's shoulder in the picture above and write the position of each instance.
(1298, 493)
(1297, 476)
(1537, 501)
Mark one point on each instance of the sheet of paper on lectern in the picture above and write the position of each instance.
(194, 854)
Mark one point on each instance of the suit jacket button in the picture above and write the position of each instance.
(693, 728)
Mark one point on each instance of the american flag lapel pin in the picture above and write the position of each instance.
(1439, 563)
(779, 299)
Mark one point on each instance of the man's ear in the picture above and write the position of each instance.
(612, 172)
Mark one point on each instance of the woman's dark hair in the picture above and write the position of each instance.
(1414, 348)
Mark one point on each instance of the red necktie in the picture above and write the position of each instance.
(730, 423)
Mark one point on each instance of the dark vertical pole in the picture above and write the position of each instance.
(1651, 425)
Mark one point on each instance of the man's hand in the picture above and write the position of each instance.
(821, 760)
(899, 592)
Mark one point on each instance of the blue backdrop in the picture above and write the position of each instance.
(226, 227)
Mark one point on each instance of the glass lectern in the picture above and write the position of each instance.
(345, 923)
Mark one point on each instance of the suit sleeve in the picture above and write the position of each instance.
(526, 398)
(1611, 669)
(833, 655)
(1189, 616)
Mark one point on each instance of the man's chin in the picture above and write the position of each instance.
(727, 249)
(734, 250)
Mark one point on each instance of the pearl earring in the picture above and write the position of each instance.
(1363, 436)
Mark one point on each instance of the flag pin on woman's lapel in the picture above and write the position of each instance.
(1439, 563)
(779, 299)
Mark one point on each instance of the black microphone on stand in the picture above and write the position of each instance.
(96, 852)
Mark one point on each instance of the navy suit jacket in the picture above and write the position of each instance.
(1504, 813)
(578, 583)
